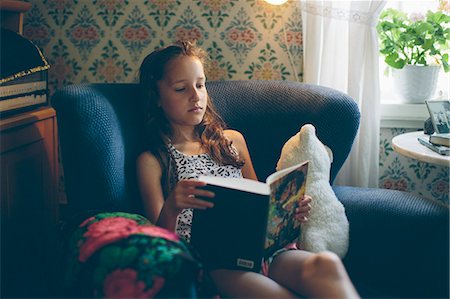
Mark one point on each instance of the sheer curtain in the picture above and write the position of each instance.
(341, 52)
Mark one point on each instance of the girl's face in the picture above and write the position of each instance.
(183, 95)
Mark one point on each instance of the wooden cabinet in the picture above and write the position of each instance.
(29, 205)
(11, 14)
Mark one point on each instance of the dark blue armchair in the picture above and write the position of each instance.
(399, 243)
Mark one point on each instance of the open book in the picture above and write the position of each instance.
(250, 219)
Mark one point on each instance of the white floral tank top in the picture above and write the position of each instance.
(191, 167)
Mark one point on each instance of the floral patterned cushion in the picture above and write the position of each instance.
(120, 255)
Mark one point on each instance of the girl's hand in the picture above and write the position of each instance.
(185, 194)
(303, 209)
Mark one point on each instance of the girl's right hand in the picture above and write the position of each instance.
(185, 194)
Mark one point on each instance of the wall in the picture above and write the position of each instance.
(106, 40)
(401, 173)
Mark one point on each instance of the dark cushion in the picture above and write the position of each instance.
(399, 243)
(121, 255)
(268, 113)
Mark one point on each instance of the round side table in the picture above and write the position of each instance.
(407, 145)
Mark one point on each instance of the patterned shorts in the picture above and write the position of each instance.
(267, 262)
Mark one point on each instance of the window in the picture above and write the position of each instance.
(388, 94)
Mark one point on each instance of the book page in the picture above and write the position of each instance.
(276, 175)
(242, 184)
(286, 190)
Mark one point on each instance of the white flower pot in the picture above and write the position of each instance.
(416, 83)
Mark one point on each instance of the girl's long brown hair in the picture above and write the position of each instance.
(158, 128)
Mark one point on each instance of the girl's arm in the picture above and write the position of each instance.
(149, 180)
(164, 212)
(241, 145)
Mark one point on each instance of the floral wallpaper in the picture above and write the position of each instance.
(106, 40)
(402, 173)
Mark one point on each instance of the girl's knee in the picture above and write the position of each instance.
(326, 259)
(324, 276)
(323, 264)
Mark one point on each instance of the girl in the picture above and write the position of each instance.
(187, 138)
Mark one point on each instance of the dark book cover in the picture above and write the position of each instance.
(250, 220)
(441, 139)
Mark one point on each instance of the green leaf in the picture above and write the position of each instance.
(99, 275)
(394, 61)
(109, 256)
(423, 28)
(445, 63)
(428, 44)
(404, 41)
(128, 255)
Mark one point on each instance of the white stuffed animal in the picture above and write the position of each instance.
(327, 227)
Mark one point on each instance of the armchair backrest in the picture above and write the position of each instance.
(101, 132)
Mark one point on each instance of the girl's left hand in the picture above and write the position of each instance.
(303, 209)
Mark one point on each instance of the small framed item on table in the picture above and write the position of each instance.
(440, 118)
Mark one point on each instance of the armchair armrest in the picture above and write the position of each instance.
(399, 242)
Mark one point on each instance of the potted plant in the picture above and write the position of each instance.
(416, 47)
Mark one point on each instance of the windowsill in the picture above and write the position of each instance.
(395, 114)
(398, 115)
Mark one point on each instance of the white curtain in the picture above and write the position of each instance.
(341, 51)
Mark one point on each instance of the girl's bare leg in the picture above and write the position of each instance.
(314, 275)
(241, 284)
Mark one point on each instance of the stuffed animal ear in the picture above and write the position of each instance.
(330, 153)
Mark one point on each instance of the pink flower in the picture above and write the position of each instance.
(444, 5)
(401, 185)
(416, 16)
(124, 284)
(112, 224)
(298, 38)
(387, 184)
(181, 33)
(60, 69)
(91, 33)
(128, 33)
(77, 33)
(142, 33)
(233, 35)
(293, 38)
(110, 71)
(156, 231)
(215, 72)
(85, 222)
(59, 4)
(104, 232)
(267, 72)
(91, 245)
(163, 4)
(289, 36)
(248, 36)
(441, 186)
(41, 32)
(109, 230)
(215, 5)
(35, 33)
(194, 34)
(111, 4)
